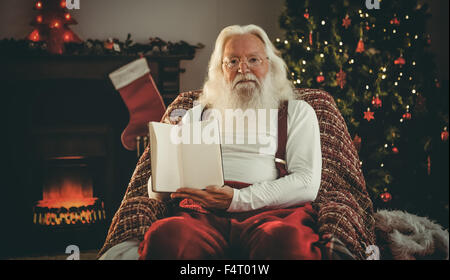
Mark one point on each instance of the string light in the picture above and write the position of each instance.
(304, 62)
(351, 61)
(367, 86)
(323, 22)
(308, 48)
(383, 77)
(322, 55)
(300, 40)
(325, 42)
(340, 43)
(396, 83)
(278, 40)
(406, 17)
(286, 42)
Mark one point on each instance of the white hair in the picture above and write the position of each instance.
(280, 87)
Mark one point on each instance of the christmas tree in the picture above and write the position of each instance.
(377, 66)
(51, 25)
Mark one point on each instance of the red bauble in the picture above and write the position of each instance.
(395, 21)
(407, 116)
(368, 115)
(386, 197)
(320, 78)
(376, 101)
(306, 14)
(395, 150)
(346, 22)
(444, 135)
(360, 47)
(400, 61)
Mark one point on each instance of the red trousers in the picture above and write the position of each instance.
(263, 235)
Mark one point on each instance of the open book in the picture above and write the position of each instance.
(186, 155)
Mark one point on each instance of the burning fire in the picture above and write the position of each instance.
(70, 193)
(68, 199)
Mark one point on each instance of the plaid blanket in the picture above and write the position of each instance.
(345, 210)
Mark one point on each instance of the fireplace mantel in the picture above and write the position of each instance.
(165, 70)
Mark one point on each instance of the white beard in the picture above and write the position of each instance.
(221, 95)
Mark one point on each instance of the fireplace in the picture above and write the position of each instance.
(72, 164)
(65, 167)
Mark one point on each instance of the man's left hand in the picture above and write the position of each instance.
(212, 197)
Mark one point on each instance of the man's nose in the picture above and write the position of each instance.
(243, 67)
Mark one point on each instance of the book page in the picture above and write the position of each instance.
(165, 158)
(201, 158)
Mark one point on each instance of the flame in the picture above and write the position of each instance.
(68, 191)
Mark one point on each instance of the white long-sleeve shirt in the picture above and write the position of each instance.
(251, 162)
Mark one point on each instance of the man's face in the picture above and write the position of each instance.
(245, 47)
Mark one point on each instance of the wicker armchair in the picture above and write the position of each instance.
(344, 208)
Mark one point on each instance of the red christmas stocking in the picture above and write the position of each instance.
(142, 98)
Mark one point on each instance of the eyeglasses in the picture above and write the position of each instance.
(234, 62)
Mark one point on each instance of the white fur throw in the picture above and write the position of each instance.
(404, 236)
